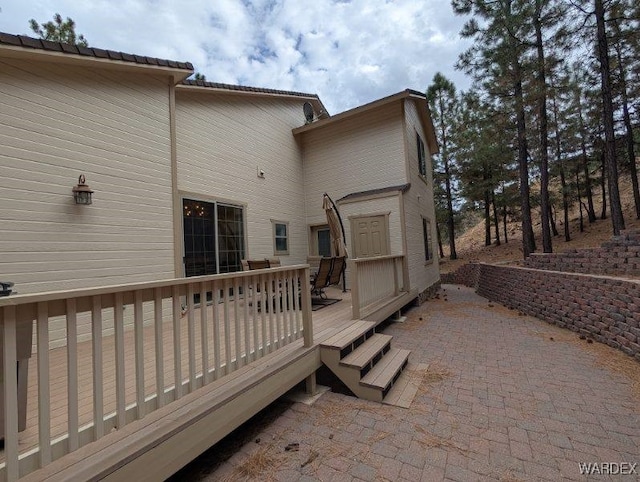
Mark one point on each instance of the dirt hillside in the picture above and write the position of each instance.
(470, 244)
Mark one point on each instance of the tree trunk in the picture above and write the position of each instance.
(439, 236)
(496, 219)
(547, 246)
(504, 223)
(579, 199)
(603, 180)
(528, 239)
(563, 181)
(450, 219)
(591, 212)
(565, 203)
(617, 219)
(487, 219)
(552, 221)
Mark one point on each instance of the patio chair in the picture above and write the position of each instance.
(258, 264)
(339, 265)
(320, 279)
(328, 274)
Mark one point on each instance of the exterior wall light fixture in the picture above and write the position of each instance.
(82, 192)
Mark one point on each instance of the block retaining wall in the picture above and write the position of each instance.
(618, 257)
(466, 275)
(604, 308)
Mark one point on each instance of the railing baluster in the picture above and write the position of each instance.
(278, 288)
(215, 295)
(236, 317)
(177, 348)
(247, 320)
(159, 342)
(263, 317)
(294, 319)
(72, 374)
(254, 302)
(191, 334)
(227, 328)
(98, 390)
(272, 305)
(291, 305)
(204, 334)
(138, 328)
(44, 388)
(11, 394)
(118, 320)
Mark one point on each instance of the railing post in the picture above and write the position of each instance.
(396, 288)
(11, 394)
(355, 289)
(307, 321)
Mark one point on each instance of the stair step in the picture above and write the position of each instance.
(361, 357)
(344, 340)
(384, 373)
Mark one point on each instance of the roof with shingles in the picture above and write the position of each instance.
(34, 43)
(244, 88)
(355, 195)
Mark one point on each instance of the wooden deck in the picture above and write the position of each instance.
(141, 402)
(326, 322)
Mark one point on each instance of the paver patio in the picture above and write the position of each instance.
(505, 397)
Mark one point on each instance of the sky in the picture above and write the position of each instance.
(349, 52)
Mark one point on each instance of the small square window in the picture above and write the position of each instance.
(280, 237)
(422, 157)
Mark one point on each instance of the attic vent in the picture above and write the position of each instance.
(307, 108)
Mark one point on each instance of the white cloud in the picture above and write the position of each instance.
(349, 52)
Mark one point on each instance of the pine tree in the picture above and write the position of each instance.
(443, 103)
(58, 30)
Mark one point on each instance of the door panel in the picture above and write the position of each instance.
(370, 236)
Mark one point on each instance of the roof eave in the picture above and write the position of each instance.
(350, 113)
(21, 53)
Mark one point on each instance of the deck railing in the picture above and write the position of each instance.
(375, 280)
(198, 330)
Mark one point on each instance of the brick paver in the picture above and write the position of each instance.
(506, 397)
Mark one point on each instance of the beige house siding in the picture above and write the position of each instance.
(55, 124)
(58, 123)
(353, 155)
(223, 140)
(418, 203)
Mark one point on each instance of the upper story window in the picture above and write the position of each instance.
(426, 234)
(422, 158)
(280, 237)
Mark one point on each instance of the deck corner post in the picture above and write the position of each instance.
(307, 319)
(355, 289)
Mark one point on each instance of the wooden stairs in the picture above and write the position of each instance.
(364, 360)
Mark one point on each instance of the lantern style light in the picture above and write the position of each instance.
(82, 192)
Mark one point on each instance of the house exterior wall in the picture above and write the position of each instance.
(418, 204)
(55, 124)
(357, 155)
(352, 156)
(60, 122)
(222, 142)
